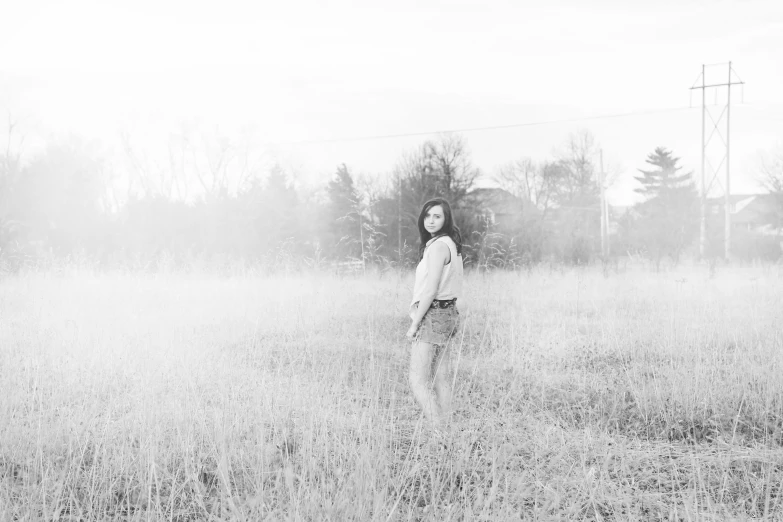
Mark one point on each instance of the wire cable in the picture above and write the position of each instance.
(480, 129)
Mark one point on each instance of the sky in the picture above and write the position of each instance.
(309, 75)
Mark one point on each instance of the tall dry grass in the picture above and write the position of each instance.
(578, 397)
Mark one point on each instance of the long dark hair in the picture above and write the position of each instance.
(449, 228)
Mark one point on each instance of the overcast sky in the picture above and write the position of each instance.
(313, 70)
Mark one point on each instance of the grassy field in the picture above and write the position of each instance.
(636, 396)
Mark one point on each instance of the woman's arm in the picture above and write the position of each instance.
(438, 256)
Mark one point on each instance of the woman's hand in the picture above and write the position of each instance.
(411, 333)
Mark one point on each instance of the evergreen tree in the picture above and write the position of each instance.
(343, 220)
(279, 201)
(666, 177)
(58, 196)
(668, 219)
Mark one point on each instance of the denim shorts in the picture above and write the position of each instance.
(438, 326)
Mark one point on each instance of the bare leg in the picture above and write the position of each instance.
(421, 380)
(442, 377)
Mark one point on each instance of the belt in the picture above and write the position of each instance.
(449, 303)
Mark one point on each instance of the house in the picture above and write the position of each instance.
(762, 213)
(504, 210)
(499, 207)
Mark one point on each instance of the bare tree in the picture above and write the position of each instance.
(10, 163)
(770, 166)
(577, 159)
(252, 160)
(437, 168)
(450, 158)
(534, 184)
(142, 169)
(219, 154)
(517, 178)
(218, 164)
(10, 171)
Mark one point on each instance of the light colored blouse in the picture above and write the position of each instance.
(450, 285)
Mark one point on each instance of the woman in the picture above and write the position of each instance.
(433, 309)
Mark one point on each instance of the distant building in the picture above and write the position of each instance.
(506, 211)
(761, 213)
(499, 207)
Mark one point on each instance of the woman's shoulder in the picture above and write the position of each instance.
(445, 248)
(438, 245)
(447, 240)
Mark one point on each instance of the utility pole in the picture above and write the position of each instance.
(399, 220)
(703, 199)
(604, 220)
(727, 199)
(361, 241)
(707, 170)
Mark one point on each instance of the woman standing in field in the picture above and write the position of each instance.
(433, 309)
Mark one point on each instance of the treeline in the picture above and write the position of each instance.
(214, 202)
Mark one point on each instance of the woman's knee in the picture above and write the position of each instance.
(417, 375)
(421, 360)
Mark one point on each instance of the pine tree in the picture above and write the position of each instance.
(343, 221)
(279, 204)
(667, 219)
(665, 178)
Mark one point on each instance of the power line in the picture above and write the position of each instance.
(479, 129)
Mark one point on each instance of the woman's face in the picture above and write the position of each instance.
(434, 220)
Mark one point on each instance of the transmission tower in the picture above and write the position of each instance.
(719, 153)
